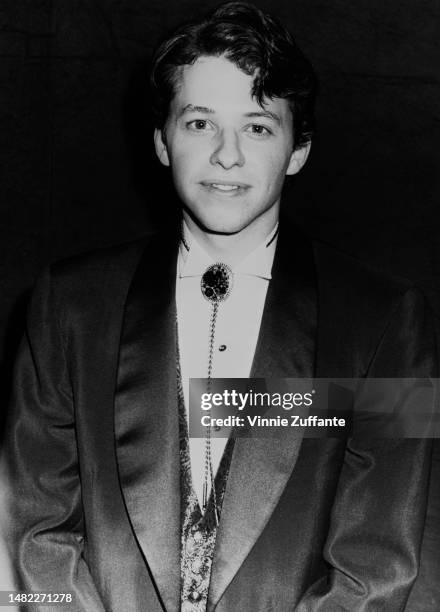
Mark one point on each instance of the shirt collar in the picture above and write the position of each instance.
(194, 260)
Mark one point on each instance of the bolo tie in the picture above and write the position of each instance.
(215, 285)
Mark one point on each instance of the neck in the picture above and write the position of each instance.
(231, 248)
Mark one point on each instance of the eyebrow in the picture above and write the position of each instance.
(191, 108)
(266, 115)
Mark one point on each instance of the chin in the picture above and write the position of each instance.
(223, 225)
(223, 222)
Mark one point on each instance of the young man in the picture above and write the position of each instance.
(114, 502)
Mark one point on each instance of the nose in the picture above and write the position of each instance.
(227, 152)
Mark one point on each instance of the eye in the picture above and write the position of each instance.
(198, 125)
(256, 129)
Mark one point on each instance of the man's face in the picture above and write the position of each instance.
(228, 155)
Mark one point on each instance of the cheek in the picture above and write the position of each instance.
(180, 165)
(187, 162)
(272, 170)
(186, 173)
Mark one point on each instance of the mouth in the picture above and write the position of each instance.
(225, 187)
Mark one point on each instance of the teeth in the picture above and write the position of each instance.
(225, 187)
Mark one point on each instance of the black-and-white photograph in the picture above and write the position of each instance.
(220, 302)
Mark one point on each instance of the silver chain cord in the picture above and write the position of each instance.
(209, 472)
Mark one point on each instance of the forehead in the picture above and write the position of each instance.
(216, 83)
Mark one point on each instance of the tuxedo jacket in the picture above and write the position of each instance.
(93, 442)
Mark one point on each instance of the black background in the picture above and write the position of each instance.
(76, 164)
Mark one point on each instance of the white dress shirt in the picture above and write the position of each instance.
(236, 330)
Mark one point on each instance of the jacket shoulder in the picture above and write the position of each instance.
(85, 285)
(363, 310)
(358, 281)
(87, 268)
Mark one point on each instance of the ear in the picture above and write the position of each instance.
(161, 147)
(298, 159)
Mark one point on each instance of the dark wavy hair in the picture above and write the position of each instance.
(257, 44)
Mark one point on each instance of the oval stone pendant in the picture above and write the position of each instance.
(216, 283)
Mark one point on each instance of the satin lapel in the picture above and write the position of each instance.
(260, 468)
(146, 417)
(335, 350)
